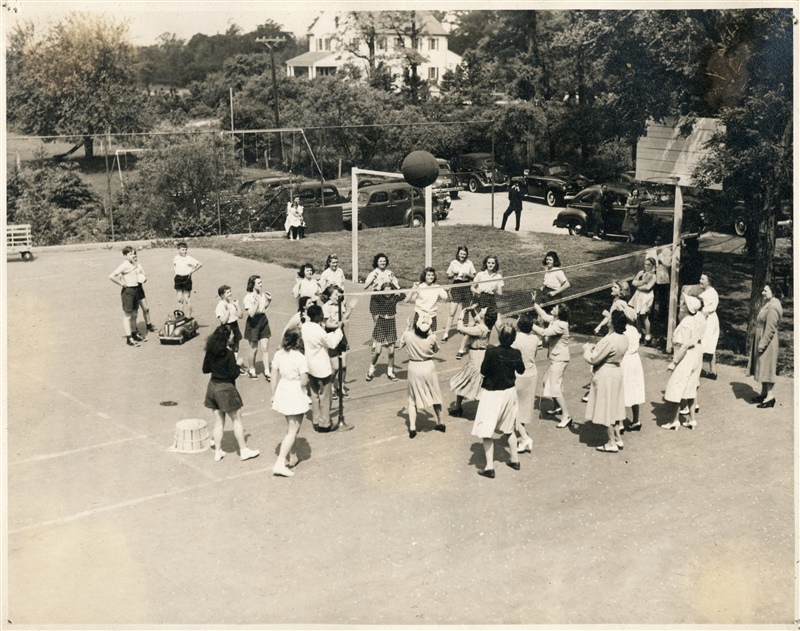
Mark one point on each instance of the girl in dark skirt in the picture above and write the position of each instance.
(222, 397)
(460, 272)
(384, 333)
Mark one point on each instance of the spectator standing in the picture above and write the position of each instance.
(515, 197)
(184, 266)
(763, 363)
(126, 276)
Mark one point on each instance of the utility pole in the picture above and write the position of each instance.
(270, 43)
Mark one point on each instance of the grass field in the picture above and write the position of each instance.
(520, 253)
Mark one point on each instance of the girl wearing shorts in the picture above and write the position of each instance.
(222, 397)
(256, 328)
(229, 313)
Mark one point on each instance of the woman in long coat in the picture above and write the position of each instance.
(606, 405)
(687, 361)
(763, 363)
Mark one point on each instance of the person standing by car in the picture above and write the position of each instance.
(600, 206)
(514, 203)
(633, 209)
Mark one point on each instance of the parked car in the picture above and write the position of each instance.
(447, 182)
(474, 172)
(658, 205)
(739, 223)
(392, 204)
(311, 192)
(555, 182)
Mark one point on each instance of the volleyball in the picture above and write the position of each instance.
(420, 169)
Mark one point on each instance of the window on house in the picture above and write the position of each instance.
(433, 74)
(400, 43)
(433, 44)
(327, 44)
(419, 43)
(319, 44)
(381, 43)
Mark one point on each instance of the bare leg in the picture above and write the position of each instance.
(566, 419)
(488, 450)
(451, 318)
(525, 442)
(126, 323)
(287, 445)
(412, 418)
(390, 352)
(512, 446)
(252, 358)
(145, 312)
(219, 424)
(238, 431)
(264, 345)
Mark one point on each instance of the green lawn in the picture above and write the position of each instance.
(518, 254)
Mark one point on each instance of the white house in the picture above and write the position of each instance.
(332, 37)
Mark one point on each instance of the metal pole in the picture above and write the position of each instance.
(354, 223)
(676, 265)
(231, 93)
(340, 375)
(108, 182)
(493, 178)
(428, 226)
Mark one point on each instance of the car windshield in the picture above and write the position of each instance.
(557, 169)
(443, 166)
(487, 163)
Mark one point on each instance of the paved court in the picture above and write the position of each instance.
(106, 527)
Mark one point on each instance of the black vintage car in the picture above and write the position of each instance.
(474, 172)
(393, 204)
(555, 182)
(658, 206)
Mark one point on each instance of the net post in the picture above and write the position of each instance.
(676, 265)
(340, 375)
(354, 222)
(428, 226)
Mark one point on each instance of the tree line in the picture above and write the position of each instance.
(576, 85)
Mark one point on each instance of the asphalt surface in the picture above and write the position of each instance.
(106, 527)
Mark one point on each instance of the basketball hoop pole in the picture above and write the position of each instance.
(428, 226)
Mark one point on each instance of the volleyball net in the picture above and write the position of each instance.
(371, 311)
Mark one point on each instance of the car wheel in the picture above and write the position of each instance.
(474, 185)
(551, 198)
(27, 256)
(740, 226)
(576, 228)
(417, 221)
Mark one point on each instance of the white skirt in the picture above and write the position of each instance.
(497, 412)
(290, 398)
(633, 379)
(711, 334)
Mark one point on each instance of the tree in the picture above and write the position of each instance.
(78, 81)
(57, 203)
(179, 178)
(753, 156)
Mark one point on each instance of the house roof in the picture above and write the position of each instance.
(309, 58)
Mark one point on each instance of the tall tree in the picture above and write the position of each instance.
(77, 81)
(753, 85)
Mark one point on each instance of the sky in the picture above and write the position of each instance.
(150, 18)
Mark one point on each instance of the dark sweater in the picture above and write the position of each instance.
(222, 367)
(499, 367)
